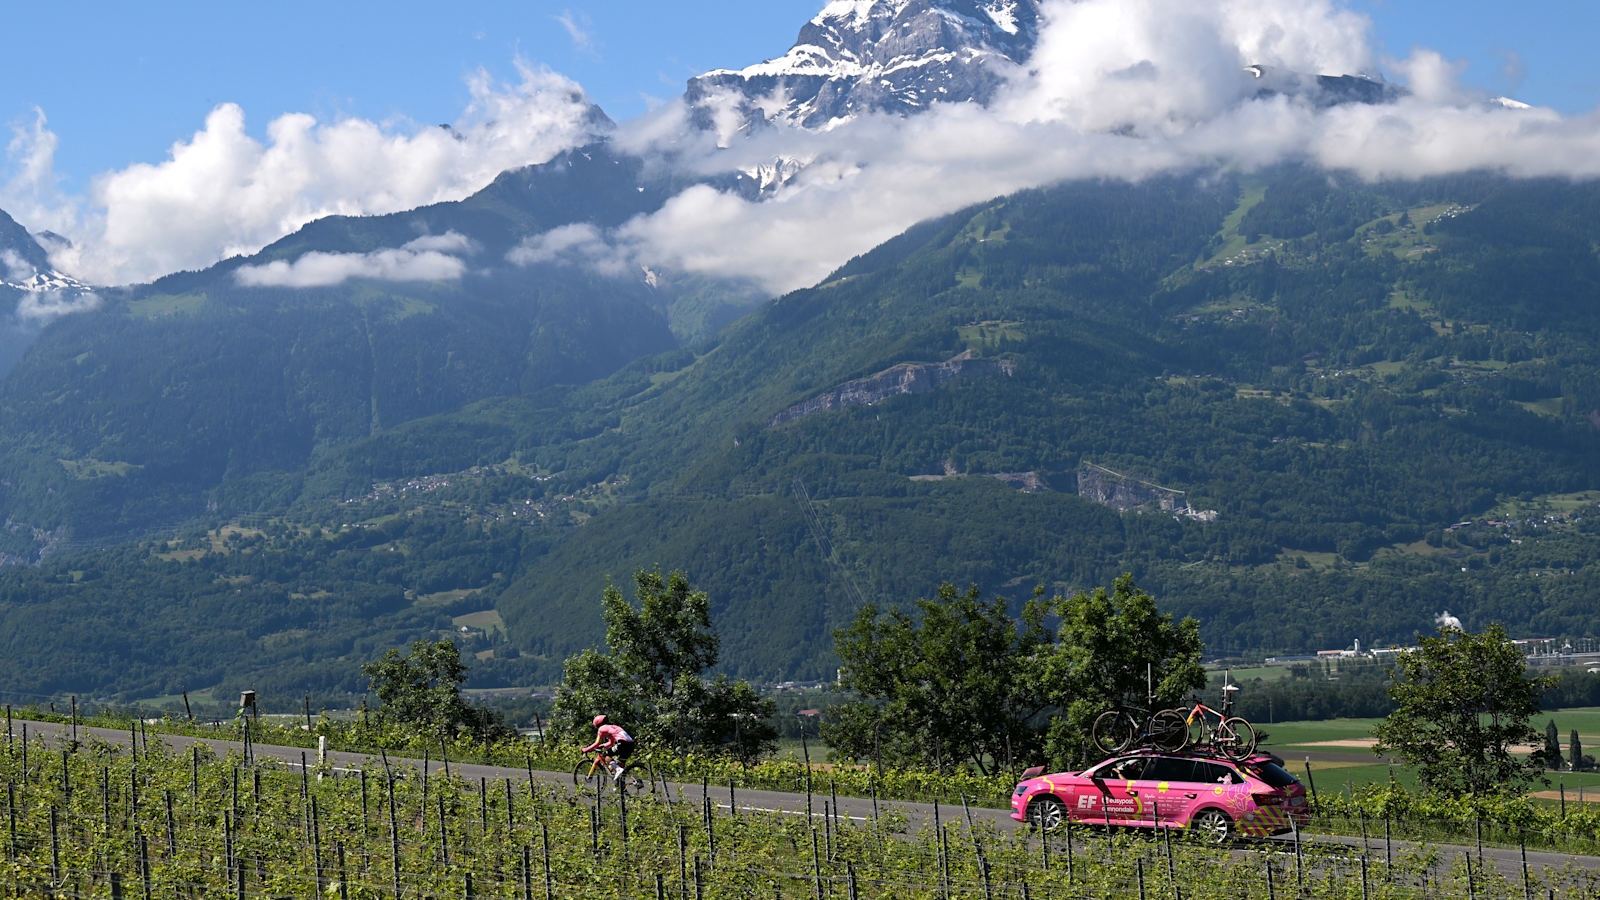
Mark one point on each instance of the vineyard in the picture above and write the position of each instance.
(92, 819)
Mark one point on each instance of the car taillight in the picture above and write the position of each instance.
(1021, 789)
(1267, 799)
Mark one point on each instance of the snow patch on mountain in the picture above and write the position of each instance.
(863, 56)
(40, 282)
(1003, 14)
(857, 13)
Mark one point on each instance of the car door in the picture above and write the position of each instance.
(1112, 794)
(1172, 789)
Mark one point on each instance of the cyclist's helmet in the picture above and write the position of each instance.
(599, 720)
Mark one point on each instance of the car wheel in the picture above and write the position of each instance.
(1047, 814)
(1211, 825)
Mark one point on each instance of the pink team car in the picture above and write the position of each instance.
(1209, 794)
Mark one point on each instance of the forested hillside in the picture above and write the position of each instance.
(1362, 404)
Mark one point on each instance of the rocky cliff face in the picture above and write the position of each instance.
(21, 257)
(861, 56)
(906, 378)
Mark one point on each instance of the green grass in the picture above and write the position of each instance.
(1546, 503)
(89, 468)
(1316, 735)
(164, 306)
(984, 334)
(1295, 740)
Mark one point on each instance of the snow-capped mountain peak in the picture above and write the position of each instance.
(861, 56)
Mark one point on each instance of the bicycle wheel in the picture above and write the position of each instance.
(1113, 731)
(1236, 738)
(587, 775)
(638, 778)
(1169, 731)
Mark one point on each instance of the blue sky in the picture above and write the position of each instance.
(168, 136)
(119, 83)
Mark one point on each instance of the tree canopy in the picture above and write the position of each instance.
(650, 680)
(423, 687)
(950, 688)
(1115, 647)
(966, 683)
(1463, 703)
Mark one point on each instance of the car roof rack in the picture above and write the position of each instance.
(1201, 752)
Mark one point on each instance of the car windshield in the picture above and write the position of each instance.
(1272, 773)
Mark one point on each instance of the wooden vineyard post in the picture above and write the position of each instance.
(55, 849)
(444, 833)
(394, 834)
(316, 846)
(144, 863)
(683, 862)
(11, 814)
(816, 863)
(511, 806)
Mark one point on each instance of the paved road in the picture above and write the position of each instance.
(1509, 861)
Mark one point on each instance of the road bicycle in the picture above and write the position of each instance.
(1230, 735)
(1124, 727)
(594, 773)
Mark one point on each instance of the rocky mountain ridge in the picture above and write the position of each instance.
(862, 56)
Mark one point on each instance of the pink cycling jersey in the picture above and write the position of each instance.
(609, 736)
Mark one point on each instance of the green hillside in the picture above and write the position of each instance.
(1304, 409)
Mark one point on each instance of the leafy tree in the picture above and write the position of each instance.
(650, 680)
(1549, 756)
(1114, 647)
(1575, 751)
(951, 688)
(970, 684)
(423, 688)
(1462, 702)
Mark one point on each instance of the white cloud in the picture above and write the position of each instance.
(1121, 89)
(29, 188)
(449, 242)
(223, 193)
(577, 27)
(1117, 89)
(13, 267)
(429, 258)
(39, 307)
(580, 243)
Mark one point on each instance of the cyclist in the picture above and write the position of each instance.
(614, 739)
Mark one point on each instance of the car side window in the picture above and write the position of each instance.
(1215, 773)
(1166, 768)
(1122, 770)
